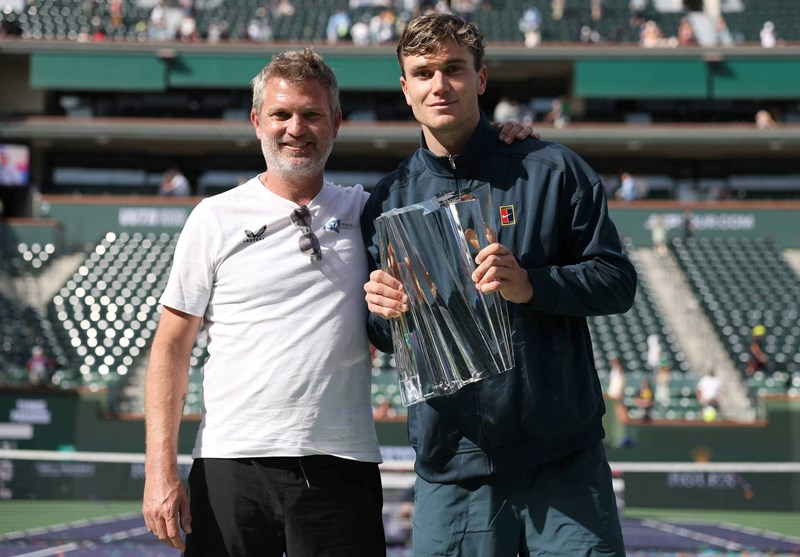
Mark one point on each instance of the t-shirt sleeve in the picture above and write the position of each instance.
(191, 278)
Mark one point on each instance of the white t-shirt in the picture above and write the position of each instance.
(288, 372)
(709, 387)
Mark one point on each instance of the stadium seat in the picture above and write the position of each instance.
(742, 283)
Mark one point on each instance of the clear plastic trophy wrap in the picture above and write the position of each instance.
(452, 334)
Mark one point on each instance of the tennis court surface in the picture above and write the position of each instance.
(125, 535)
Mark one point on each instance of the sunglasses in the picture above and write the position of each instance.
(309, 243)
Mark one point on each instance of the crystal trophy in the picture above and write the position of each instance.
(452, 334)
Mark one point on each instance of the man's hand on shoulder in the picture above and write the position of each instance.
(512, 131)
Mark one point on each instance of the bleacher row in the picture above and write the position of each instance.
(499, 20)
(99, 326)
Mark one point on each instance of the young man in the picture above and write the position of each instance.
(286, 455)
(513, 464)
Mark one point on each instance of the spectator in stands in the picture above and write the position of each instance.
(617, 381)
(662, 393)
(557, 115)
(504, 442)
(627, 187)
(281, 8)
(359, 32)
(464, 9)
(709, 390)
(653, 352)
(39, 367)
(215, 31)
(645, 399)
(175, 184)
(688, 225)
(596, 8)
(658, 235)
(187, 31)
(259, 29)
(506, 110)
(764, 120)
(157, 24)
(286, 388)
(530, 23)
(10, 173)
(557, 9)
(338, 28)
(115, 13)
(686, 33)
(650, 35)
(758, 357)
(767, 35)
(722, 33)
(381, 27)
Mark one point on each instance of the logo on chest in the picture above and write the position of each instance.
(336, 225)
(507, 215)
(256, 236)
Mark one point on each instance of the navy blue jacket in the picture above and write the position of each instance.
(551, 403)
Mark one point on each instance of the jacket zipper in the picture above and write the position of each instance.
(452, 160)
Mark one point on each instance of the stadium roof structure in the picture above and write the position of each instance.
(400, 138)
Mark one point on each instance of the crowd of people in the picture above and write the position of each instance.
(362, 22)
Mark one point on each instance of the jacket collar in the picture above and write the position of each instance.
(483, 138)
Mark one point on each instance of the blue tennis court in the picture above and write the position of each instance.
(126, 536)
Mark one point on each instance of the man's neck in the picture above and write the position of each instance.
(449, 142)
(299, 190)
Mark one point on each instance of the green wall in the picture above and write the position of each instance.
(687, 78)
(149, 72)
(779, 221)
(98, 72)
(639, 75)
(87, 219)
(636, 79)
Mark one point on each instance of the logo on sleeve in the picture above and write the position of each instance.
(507, 215)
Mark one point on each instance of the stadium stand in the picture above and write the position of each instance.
(108, 309)
(624, 336)
(741, 283)
(106, 314)
(59, 19)
(21, 328)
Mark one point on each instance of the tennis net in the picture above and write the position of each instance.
(665, 506)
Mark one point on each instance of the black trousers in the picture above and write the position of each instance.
(313, 506)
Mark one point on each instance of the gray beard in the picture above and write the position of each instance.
(309, 167)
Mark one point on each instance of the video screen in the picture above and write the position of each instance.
(14, 163)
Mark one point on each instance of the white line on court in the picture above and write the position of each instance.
(66, 548)
(69, 547)
(692, 534)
